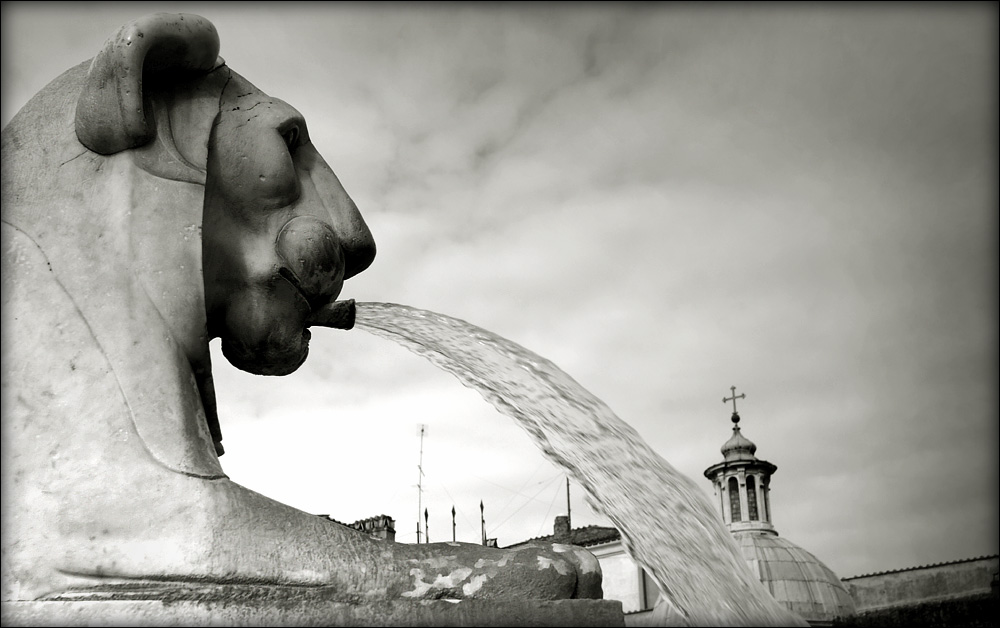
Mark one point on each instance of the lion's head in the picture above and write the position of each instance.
(279, 233)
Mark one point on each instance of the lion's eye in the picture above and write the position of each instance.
(291, 137)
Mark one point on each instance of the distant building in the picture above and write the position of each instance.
(955, 593)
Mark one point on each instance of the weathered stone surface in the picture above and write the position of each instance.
(314, 613)
(154, 199)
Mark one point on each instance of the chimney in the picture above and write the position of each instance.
(388, 529)
(561, 527)
(380, 527)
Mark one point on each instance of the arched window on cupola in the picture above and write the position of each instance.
(734, 499)
(752, 498)
(767, 502)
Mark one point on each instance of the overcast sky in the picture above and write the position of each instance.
(665, 201)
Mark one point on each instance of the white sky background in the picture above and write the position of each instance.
(664, 201)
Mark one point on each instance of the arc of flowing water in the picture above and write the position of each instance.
(667, 523)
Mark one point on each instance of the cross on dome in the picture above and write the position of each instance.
(736, 415)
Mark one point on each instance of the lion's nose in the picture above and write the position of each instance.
(311, 250)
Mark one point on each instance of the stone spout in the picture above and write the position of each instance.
(339, 314)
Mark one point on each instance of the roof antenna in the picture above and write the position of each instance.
(569, 521)
(420, 479)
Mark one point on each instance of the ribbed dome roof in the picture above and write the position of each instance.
(795, 577)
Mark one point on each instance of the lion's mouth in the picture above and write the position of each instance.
(322, 311)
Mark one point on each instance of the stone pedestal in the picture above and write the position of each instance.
(307, 610)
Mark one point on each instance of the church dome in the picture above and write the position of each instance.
(795, 577)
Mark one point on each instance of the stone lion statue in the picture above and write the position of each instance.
(153, 199)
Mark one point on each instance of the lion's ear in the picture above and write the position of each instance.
(110, 114)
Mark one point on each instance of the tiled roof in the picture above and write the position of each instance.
(950, 562)
(328, 517)
(584, 537)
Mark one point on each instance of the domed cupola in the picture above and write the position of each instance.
(738, 447)
(742, 481)
(794, 577)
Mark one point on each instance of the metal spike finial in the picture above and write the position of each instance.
(482, 521)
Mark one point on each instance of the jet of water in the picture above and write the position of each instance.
(667, 524)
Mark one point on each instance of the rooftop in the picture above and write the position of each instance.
(950, 562)
(584, 537)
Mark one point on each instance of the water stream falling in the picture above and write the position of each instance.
(667, 523)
